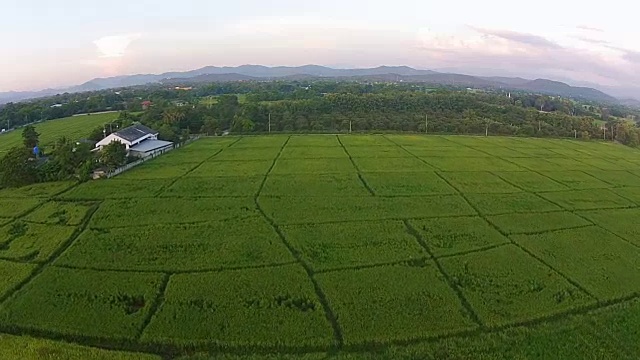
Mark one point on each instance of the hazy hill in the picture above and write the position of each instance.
(382, 74)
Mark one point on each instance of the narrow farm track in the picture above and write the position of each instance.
(338, 246)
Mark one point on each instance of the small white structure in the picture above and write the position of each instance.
(140, 141)
(150, 147)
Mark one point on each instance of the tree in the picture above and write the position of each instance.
(172, 116)
(17, 168)
(66, 158)
(210, 126)
(30, 137)
(98, 133)
(167, 133)
(114, 155)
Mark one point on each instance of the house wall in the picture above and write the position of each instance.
(111, 138)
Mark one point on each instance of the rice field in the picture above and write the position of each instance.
(332, 247)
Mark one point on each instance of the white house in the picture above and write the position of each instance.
(140, 141)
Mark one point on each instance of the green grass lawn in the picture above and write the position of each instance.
(212, 100)
(325, 246)
(75, 127)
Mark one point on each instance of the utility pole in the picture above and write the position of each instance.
(539, 125)
(349, 126)
(426, 124)
(269, 122)
(575, 134)
(613, 135)
(604, 133)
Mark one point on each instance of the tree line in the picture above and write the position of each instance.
(451, 112)
(256, 92)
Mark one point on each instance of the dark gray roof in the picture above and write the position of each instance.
(135, 132)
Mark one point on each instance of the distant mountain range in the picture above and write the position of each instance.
(311, 72)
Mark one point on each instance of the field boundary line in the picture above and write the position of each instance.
(200, 222)
(362, 180)
(53, 257)
(608, 231)
(372, 266)
(435, 168)
(322, 298)
(174, 180)
(624, 197)
(596, 167)
(329, 314)
(577, 213)
(158, 301)
(463, 300)
(474, 251)
(273, 164)
(567, 278)
(178, 272)
(571, 281)
(169, 351)
(73, 186)
(550, 231)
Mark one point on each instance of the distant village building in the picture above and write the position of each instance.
(139, 140)
(146, 105)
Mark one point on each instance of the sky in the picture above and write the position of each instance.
(47, 43)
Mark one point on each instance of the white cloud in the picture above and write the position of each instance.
(115, 46)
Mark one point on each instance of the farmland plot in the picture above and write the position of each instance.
(232, 168)
(334, 246)
(73, 301)
(506, 285)
(576, 179)
(12, 274)
(44, 190)
(218, 186)
(348, 184)
(475, 164)
(478, 182)
(395, 302)
(402, 164)
(325, 246)
(528, 223)
(23, 241)
(252, 153)
(120, 213)
(330, 209)
(116, 188)
(244, 307)
(588, 199)
(320, 152)
(495, 204)
(457, 235)
(313, 166)
(12, 207)
(60, 213)
(251, 242)
(602, 257)
(407, 183)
